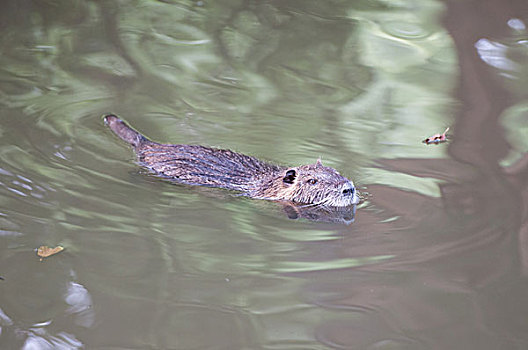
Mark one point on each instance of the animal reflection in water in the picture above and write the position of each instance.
(321, 213)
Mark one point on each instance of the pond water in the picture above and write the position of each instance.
(435, 258)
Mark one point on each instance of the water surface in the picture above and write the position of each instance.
(436, 257)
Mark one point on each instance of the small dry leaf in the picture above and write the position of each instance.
(45, 251)
(437, 138)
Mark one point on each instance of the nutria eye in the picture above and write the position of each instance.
(312, 181)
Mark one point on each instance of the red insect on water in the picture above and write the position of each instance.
(437, 138)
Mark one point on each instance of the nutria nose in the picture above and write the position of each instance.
(348, 190)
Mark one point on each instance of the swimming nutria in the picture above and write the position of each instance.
(198, 165)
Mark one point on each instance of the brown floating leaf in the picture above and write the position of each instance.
(437, 138)
(45, 251)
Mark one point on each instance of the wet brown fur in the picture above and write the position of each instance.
(199, 165)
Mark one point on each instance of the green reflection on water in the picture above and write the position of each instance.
(515, 122)
(227, 75)
(287, 81)
(426, 186)
(297, 266)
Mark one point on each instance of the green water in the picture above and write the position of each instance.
(436, 258)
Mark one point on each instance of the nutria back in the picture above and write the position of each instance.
(205, 166)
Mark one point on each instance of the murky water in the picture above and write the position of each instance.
(436, 258)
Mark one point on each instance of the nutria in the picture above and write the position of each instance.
(199, 165)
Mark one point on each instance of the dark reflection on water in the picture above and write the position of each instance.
(344, 215)
(434, 257)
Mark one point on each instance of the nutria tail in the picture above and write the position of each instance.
(125, 132)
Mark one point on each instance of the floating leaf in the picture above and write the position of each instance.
(437, 138)
(45, 251)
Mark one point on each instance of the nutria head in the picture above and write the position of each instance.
(311, 184)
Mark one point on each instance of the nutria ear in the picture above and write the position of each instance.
(318, 163)
(289, 178)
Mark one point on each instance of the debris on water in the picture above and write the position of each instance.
(437, 138)
(45, 251)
